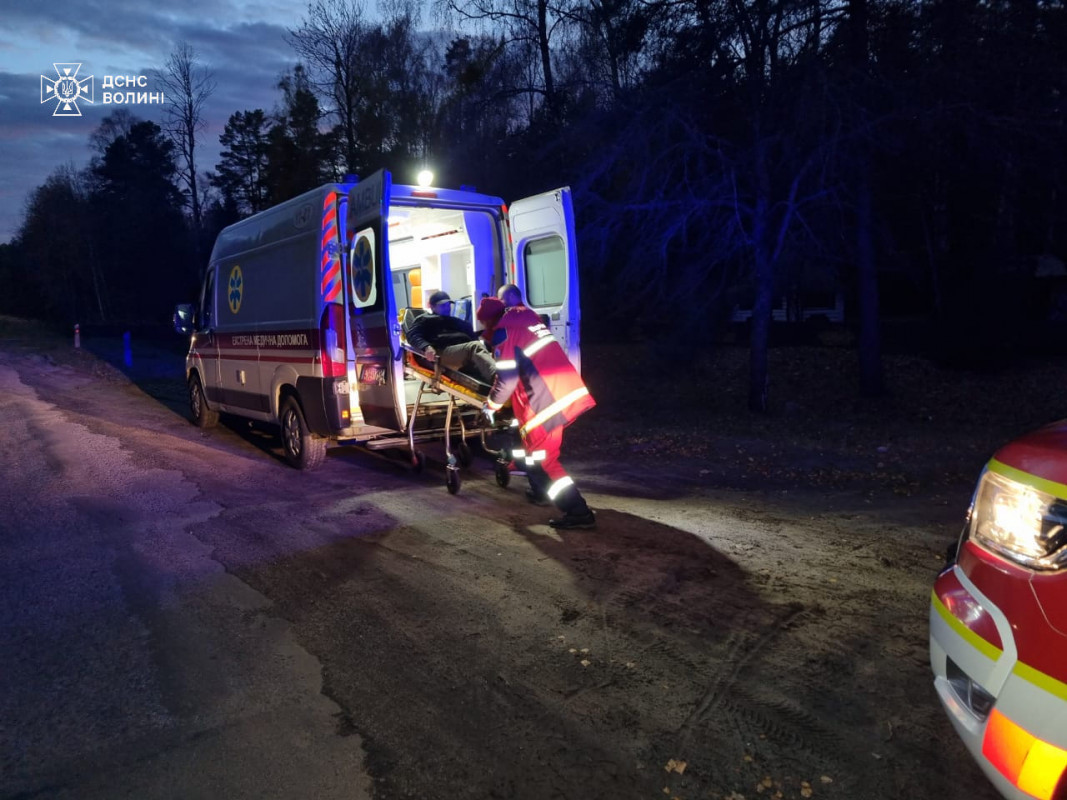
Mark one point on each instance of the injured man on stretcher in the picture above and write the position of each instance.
(441, 336)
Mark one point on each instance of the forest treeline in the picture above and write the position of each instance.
(907, 156)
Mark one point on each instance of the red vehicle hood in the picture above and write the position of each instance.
(1051, 593)
(1043, 454)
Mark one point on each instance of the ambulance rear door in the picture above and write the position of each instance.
(373, 327)
(546, 263)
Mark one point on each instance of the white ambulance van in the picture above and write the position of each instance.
(298, 319)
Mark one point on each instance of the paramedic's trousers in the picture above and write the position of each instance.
(546, 475)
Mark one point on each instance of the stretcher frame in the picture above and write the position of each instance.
(440, 380)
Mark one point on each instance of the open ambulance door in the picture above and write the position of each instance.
(546, 264)
(373, 330)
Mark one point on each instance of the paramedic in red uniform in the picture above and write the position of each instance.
(546, 394)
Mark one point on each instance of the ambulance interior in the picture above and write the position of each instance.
(455, 250)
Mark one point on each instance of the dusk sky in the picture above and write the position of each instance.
(241, 41)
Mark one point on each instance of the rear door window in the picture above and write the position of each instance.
(546, 272)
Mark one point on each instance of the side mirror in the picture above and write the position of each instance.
(183, 319)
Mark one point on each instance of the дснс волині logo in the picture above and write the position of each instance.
(67, 90)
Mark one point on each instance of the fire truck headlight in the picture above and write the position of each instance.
(1022, 523)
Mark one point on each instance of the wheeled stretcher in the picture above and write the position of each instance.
(466, 396)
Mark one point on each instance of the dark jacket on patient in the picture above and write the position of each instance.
(438, 331)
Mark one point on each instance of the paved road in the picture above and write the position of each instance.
(184, 616)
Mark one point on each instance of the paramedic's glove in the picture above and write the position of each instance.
(489, 414)
(430, 353)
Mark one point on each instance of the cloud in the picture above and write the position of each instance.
(242, 44)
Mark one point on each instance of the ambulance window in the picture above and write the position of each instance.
(546, 272)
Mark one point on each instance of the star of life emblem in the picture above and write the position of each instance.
(67, 90)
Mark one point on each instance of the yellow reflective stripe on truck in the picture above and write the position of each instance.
(1034, 676)
(1040, 680)
(988, 649)
(1048, 487)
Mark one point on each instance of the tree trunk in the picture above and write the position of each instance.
(546, 56)
(758, 372)
(870, 344)
(194, 192)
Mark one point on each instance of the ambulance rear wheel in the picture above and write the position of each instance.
(303, 449)
(203, 417)
(452, 480)
(503, 477)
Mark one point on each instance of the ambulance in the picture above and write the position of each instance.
(998, 620)
(298, 321)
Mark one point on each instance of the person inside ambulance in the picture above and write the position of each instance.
(439, 335)
(547, 394)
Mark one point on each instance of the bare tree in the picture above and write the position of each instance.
(375, 77)
(328, 40)
(534, 27)
(188, 85)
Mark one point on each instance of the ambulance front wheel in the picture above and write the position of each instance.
(302, 448)
(202, 416)
(503, 476)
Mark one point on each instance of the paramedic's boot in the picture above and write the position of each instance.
(574, 521)
(576, 513)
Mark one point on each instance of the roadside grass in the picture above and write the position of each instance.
(934, 427)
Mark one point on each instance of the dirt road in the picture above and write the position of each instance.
(184, 615)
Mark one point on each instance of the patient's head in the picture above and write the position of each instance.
(441, 303)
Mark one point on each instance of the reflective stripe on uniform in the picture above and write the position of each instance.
(508, 363)
(559, 486)
(534, 457)
(540, 343)
(543, 416)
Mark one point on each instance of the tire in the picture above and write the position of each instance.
(452, 480)
(303, 449)
(418, 461)
(201, 415)
(503, 477)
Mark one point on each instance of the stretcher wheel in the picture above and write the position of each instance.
(452, 480)
(465, 455)
(503, 477)
(418, 461)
